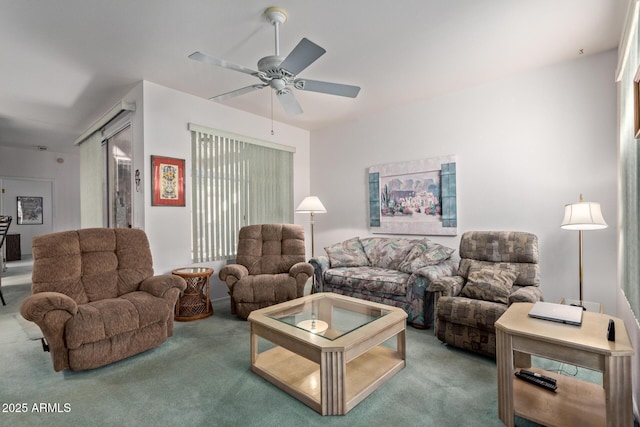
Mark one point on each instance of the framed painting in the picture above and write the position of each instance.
(29, 210)
(167, 181)
(415, 197)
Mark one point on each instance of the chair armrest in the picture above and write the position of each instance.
(159, 285)
(36, 306)
(231, 273)
(320, 265)
(301, 268)
(51, 311)
(526, 294)
(449, 286)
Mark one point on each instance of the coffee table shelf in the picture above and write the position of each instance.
(300, 377)
(329, 374)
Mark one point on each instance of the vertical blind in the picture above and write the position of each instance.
(629, 168)
(236, 181)
(92, 171)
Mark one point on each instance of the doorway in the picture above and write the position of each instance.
(13, 188)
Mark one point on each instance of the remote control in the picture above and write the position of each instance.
(537, 381)
(537, 375)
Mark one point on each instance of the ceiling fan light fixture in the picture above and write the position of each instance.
(278, 84)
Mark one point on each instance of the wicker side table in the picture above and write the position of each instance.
(194, 302)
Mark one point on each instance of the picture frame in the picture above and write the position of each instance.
(167, 181)
(29, 210)
(417, 197)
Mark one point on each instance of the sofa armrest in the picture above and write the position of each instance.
(526, 294)
(231, 273)
(36, 306)
(320, 265)
(159, 285)
(434, 272)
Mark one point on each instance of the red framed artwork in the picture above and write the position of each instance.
(167, 181)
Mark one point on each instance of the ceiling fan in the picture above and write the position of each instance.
(282, 73)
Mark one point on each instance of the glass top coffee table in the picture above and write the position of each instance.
(325, 349)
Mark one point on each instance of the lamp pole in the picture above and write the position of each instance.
(312, 242)
(580, 262)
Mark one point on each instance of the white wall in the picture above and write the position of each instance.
(163, 114)
(44, 165)
(525, 147)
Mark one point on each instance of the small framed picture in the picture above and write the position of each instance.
(29, 210)
(167, 181)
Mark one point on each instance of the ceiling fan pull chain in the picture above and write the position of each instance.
(272, 132)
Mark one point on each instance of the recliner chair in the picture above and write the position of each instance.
(270, 267)
(95, 297)
(497, 268)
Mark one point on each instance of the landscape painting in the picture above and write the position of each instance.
(415, 197)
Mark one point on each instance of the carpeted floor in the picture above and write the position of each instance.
(201, 377)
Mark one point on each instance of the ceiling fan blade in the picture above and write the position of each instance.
(237, 92)
(289, 102)
(202, 57)
(326, 87)
(303, 55)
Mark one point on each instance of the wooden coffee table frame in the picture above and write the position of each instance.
(331, 377)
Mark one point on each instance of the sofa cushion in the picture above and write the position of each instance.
(349, 253)
(385, 252)
(107, 318)
(423, 254)
(489, 284)
(373, 279)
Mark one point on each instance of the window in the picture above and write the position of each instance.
(236, 181)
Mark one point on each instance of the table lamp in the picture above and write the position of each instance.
(582, 216)
(311, 205)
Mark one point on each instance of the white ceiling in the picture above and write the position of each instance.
(64, 63)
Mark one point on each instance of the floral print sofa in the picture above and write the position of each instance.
(390, 270)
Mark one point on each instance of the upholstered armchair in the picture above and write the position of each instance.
(95, 298)
(497, 268)
(270, 267)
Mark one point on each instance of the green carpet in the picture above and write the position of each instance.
(201, 377)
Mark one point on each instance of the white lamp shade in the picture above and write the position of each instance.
(311, 204)
(583, 216)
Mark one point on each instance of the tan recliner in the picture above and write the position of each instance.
(270, 269)
(95, 297)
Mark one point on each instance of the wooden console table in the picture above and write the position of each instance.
(194, 303)
(575, 402)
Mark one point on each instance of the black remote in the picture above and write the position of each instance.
(537, 375)
(537, 381)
